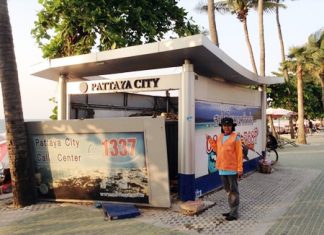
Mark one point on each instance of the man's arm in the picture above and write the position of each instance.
(212, 142)
(239, 156)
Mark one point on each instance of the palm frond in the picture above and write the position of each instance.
(222, 7)
(201, 7)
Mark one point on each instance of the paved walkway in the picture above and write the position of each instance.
(288, 201)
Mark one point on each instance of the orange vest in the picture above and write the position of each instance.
(229, 154)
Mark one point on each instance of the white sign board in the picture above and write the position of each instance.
(113, 159)
(138, 84)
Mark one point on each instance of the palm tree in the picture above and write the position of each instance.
(20, 163)
(212, 22)
(210, 9)
(269, 5)
(261, 37)
(281, 41)
(283, 57)
(315, 47)
(300, 61)
(240, 8)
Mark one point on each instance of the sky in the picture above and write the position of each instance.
(300, 19)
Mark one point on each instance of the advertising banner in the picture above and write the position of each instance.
(208, 117)
(105, 159)
(94, 166)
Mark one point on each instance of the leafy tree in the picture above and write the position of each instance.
(54, 110)
(20, 162)
(312, 98)
(285, 95)
(72, 27)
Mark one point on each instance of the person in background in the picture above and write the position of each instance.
(229, 162)
(310, 127)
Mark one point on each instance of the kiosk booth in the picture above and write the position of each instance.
(139, 138)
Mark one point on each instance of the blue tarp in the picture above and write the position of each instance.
(119, 211)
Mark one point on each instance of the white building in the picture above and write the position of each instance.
(206, 84)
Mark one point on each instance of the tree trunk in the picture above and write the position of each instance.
(20, 163)
(282, 47)
(212, 22)
(291, 127)
(247, 39)
(322, 84)
(261, 38)
(273, 129)
(300, 96)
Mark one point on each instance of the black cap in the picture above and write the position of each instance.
(227, 121)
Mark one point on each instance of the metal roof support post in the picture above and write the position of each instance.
(68, 107)
(264, 115)
(61, 104)
(186, 139)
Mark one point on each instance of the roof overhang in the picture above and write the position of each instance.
(208, 60)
